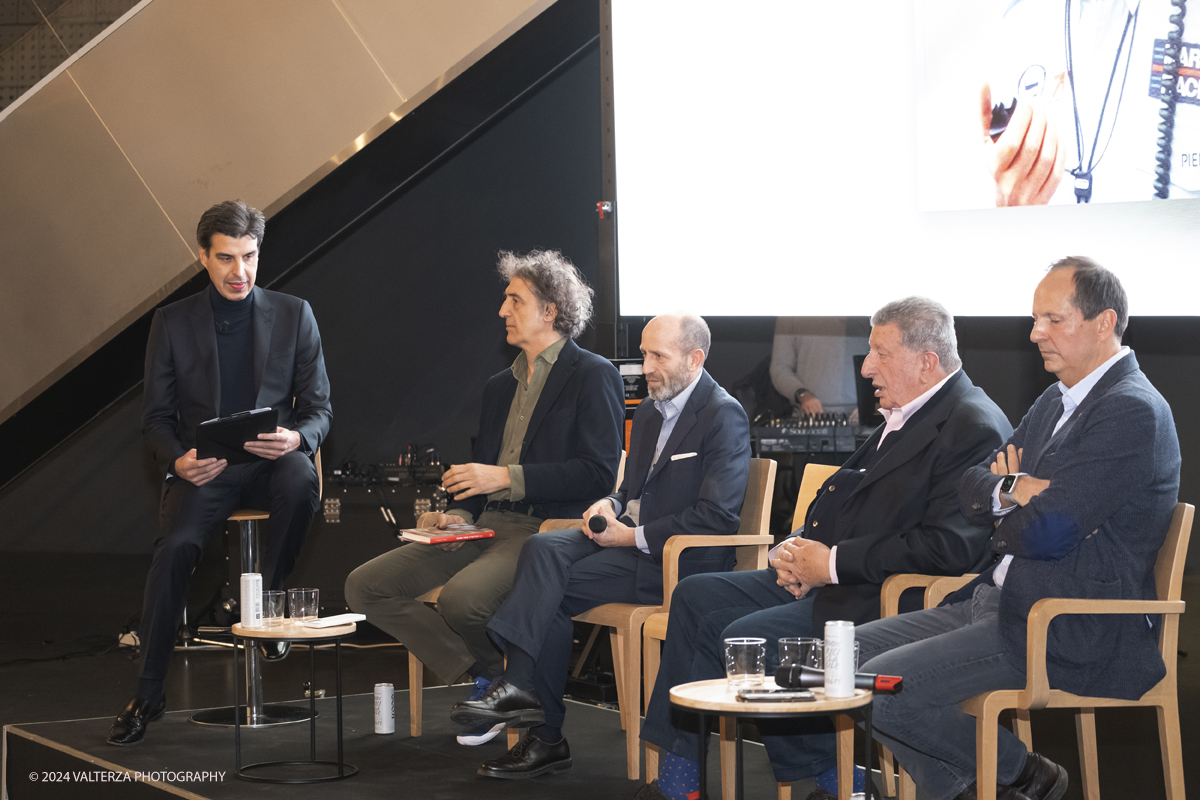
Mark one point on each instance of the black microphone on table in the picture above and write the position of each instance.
(799, 676)
(598, 523)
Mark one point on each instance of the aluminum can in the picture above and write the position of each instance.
(252, 611)
(839, 658)
(385, 708)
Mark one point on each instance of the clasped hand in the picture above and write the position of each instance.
(467, 480)
(801, 565)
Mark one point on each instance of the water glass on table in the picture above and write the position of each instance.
(745, 662)
(272, 609)
(302, 604)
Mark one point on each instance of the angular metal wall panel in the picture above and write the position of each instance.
(83, 242)
(106, 166)
(417, 42)
(243, 100)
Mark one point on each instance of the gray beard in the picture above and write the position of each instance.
(670, 389)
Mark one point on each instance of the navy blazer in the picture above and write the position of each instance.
(1095, 532)
(902, 515)
(183, 379)
(572, 446)
(697, 486)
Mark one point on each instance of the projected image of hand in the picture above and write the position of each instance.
(1026, 161)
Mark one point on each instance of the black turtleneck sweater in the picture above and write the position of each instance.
(235, 351)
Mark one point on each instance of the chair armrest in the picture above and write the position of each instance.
(677, 544)
(1037, 689)
(560, 524)
(937, 591)
(895, 585)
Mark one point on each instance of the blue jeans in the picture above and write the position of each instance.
(945, 655)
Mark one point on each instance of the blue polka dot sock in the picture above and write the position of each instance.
(678, 778)
(828, 781)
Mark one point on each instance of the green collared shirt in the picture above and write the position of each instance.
(525, 399)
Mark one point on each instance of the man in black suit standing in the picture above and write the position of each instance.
(892, 508)
(1081, 496)
(689, 460)
(232, 347)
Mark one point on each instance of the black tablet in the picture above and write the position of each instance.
(225, 437)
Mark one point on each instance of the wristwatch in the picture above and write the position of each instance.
(798, 394)
(1007, 483)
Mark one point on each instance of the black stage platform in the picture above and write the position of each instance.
(430, 767)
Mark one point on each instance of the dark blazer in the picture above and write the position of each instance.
(902, 515)
(572, 447)
(1094, 532)
(697, 486)
(183, 380)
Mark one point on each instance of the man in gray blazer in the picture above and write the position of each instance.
(1081, 497)
(232, 347)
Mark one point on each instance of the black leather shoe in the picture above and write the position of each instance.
(502, 702)
(650, 791)
(273, 649)
(1002, 793)
(821, 794)
(1041, 779)
(528, 759)
(130, 726)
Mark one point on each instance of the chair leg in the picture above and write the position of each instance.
(514, 736)
(416, 681)
(651, 654)
(631, 676)
(1022, 728)
(618, 652)
(785, 791)
(986, 741)
(1172, 747)
(887, 769)
(845, 754)
(1085, 735)
(905, 788)
(728, 758)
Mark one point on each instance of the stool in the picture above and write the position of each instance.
(258, 714)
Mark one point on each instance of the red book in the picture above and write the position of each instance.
(452, 533)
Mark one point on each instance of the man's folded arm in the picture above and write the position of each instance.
(313, 412)
(1111, 463)
(592, 470)
(944, 543)
(726, 466)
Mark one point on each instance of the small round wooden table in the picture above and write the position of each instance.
(294, 632)
(713, 697)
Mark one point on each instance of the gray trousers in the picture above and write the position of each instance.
(945, 655)
(477, 578)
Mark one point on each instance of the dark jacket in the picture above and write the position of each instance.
(902, 514)
(183, 379)
(1095, 532)
(698, 484)
(572, 446)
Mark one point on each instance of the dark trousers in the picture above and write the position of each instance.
(561, 574)
(286, 487)
(706, 610)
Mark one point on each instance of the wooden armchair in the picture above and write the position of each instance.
(1037, 694)
(626, 619)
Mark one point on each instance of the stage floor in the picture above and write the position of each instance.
(431, 767)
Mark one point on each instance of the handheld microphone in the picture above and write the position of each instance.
(798, 676)
(598, 523)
